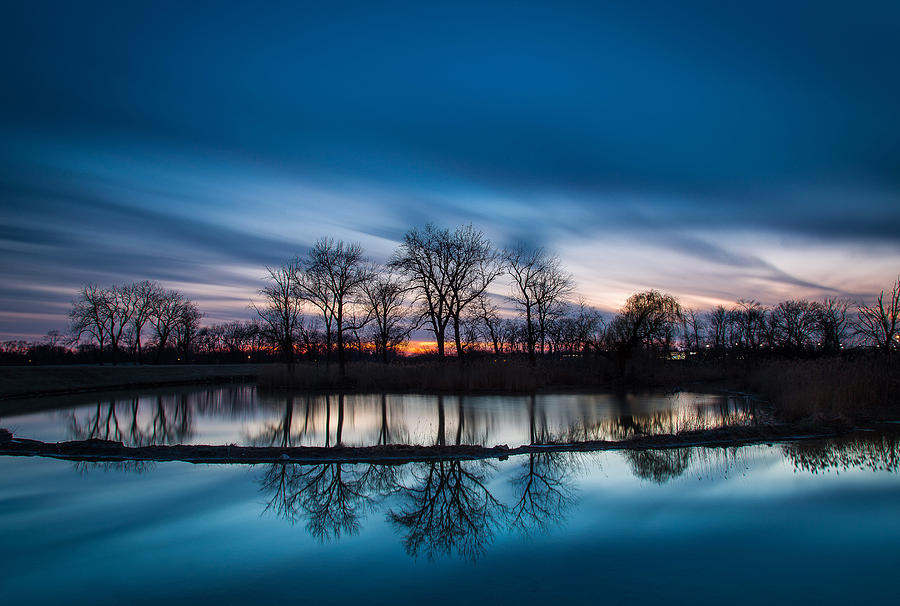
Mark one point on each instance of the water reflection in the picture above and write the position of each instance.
(659, 466)
(331, 498)
(165, 421)
(439, 508)
(545, 490)
(240, 415)
(876, 452)
(452, 508)
(445, 507)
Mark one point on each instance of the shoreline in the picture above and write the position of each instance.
(18, 382)
(34, 382)
(107, 451)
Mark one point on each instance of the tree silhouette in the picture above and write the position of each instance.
(545, 491)
(879, 323)
(332, 498)
(448, 508)
(659, 466)
(448, 271)
(331, 278)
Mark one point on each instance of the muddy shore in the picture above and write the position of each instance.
(109, 451)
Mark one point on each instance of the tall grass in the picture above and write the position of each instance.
(481, 375)
(830, 388)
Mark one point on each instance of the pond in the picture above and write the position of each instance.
(242, 415)
(804, 522)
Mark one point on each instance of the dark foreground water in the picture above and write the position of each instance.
(789, 523)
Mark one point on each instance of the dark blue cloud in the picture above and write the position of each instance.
(534, 120)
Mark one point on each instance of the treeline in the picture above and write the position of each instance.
(334, 303)
(334, 300)
(140, 322)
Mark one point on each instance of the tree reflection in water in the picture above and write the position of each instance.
(332, 498)
(545, 491)
(441, 507)
(447, 507)
(659, 466)
(367, 420)
(169, 420)
(878, 452)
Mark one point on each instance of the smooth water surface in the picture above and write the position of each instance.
(810, 523)
(242, 415)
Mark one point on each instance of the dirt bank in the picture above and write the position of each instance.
(103, 450)
(35, 381)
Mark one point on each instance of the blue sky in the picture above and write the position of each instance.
(715, 152)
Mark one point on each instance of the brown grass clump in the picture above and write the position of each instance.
(829, 388)
(483, 375)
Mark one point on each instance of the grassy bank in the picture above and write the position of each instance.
(830, 388)
(484, 375)
(31, 381)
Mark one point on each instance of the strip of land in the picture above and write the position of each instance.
(18, 382)
(109, 451)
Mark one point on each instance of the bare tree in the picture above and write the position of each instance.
(186, 329)
(102, 313)
(795, 323)
(86, 316)
(833, 323)
(313, 288)
(119, 313)
(553, 286)
(166, 313)
(424, 260)
(448, 271)
(142, 295)
(588, 327)
(332, 277)
(487, 317)
(692, 324)
(750, 317)
(879, 323)
(475, 264)
(385, 296)
(280, 311)
(116, 308)
(539, 286)
(718, 320)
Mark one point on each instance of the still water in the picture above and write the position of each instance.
(815, 522)
(242, 415)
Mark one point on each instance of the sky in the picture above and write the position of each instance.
(715, 151)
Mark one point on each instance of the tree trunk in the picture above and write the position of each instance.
(458, 339)
(439, 335)
(340, 421)
(529, 336)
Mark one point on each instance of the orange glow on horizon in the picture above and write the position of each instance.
(414, 348)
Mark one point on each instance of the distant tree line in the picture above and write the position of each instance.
(333, 303)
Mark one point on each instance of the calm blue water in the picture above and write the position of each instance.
(780, 524)
(811, 523)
